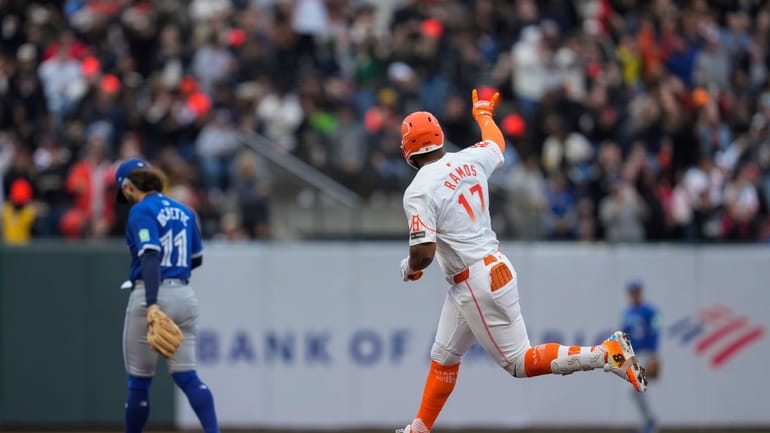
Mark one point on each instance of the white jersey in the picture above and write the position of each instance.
(448, 203)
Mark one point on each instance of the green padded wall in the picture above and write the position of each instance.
(61, 322)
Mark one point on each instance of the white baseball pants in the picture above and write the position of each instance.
(474, 312)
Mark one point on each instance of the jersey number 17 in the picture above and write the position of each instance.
(475, 189)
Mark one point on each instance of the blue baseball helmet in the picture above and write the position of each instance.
(634, 285)
(121, 175)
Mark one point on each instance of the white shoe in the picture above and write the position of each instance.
(416, 426)
(622, 361)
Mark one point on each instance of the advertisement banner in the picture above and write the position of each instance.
(325, 335)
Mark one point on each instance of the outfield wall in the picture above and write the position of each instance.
(61, 322)
(327, 336)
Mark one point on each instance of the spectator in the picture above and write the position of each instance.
(231, 229)
(586, 222)
(52, 163)
(215, 148)
(525, 204)
(18, 216)
(206, 10)
(67, 46)
(349, 150)
(564, 151)
(742, 205)
(622, 213)
(213, 63)
(530, 70)
(7, 155)
(458, 127)
(90, 183)
(712, 64)
(713, 134)
(681, 210)
(252, 190)
(170, 56)
(62, 80)
(561, 219)
(649, 92)
(281, 114)
(106, 109)
(19, 165)
(27, 107)
(310, 20)
(571, 71)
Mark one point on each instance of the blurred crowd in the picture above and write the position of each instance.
(627, 120)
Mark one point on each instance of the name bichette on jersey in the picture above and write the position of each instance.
(167, 214)
(459, 174)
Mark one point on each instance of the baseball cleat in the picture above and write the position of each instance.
(650, 427)
(416, 426)
(622, 361)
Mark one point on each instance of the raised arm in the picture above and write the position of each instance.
(484, 114)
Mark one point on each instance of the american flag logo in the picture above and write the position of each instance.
(718, 333)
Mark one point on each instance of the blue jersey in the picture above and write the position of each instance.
(641, 323)
(167, 226)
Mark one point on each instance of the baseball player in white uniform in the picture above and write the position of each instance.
(447, 207)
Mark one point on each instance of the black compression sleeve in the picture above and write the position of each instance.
(151, 275)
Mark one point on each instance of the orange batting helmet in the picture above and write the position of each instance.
(420, 133)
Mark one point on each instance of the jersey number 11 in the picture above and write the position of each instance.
(169, 242)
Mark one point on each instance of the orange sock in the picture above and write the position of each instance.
(439, 385)
(537, 360)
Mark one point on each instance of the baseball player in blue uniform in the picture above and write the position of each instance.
(165, 244)
(641, 322)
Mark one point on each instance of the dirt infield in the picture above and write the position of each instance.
(755, 430)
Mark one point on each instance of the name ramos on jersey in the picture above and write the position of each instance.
(459, 174)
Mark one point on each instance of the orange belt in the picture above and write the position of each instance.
(466, 273)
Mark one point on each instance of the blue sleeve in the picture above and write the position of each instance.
(151, 275)
(197, 246)
(143, 229)
(654, 328)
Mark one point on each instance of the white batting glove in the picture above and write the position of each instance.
(407, 274)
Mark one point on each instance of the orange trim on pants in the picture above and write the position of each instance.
(466, 273)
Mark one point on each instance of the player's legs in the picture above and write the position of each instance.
(489, 301)
(139, 360)
(137, 404)
(640, 400)
(453, 335)
(453, 339)
(200, 398)
(643, 405)
(138, 356)
(181, 305)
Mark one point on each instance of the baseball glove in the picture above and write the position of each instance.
(653, 368)
(162, 333)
